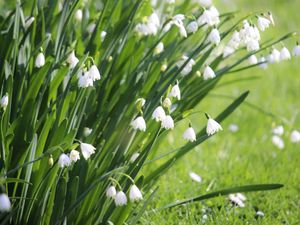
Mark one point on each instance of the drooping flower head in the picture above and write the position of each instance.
(120, 199)
(139, 124)
(189, 135)
(167, 122)
(158, 114)
(5, 205)
(64, 161)
(135, 194)
(111, 192)
(87, 150)
(212, 126)
(74, 156)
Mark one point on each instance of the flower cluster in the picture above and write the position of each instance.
(277, 138)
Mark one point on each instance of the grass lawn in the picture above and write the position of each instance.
(247, 156)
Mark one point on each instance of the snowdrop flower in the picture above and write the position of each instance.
(263, 23)
(252, 60)
(150, 27)
(111, 192)
(87, 131)
(4, 101)
(134, 157)
(159, 48)
(296, 51)
(78, 15)
(29, 22)
(135, 194)
(263, 63)
(285, 54)
(175, 92)
(195, 177)
(188, 67)
(167, 122)
(252, 45)
(208, 73)
(120, 199)
(139, 124)
(40, 60)
(205, 3)
(209, 17)
(5, 205)
(72, 60)
(260, 213)
(94, 73)
(278, 142)
(85, 81)
(274, 57)
(214, 37)
(74, 156)
(90, 28)
(192, 27)
(64, 161)
(87, 150)
(167, 103)
(189, 135)
(237, 200)
(177, 20)
(103, 35)
(212, 126)
(279, 130)
(158, 114)
(228, 51)
(233, 128)
(295, 136)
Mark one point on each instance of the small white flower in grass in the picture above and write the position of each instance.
(295, 136)
(212, 126)
(87, 150)
(278, 142)
(167, 122)
(274, 57)
(214, 37)
(285, 54)
(158, 114)
(260, 213)
(111, 192)
(135, 194)
(120, 198)
(192, 27)
(72, 60)
(64, 161)
(205, 3)
(4, 101)
(74, 156)
(94, 73)
(252, 45)
(159, 48)
(263, 63)
(252, 60)
(29, 22)
(241, 196)
(208, 73)
(167, 103)
(189, 135)
(263, 23)
(139, 124)
(87, 131)
(85, 81)
(209, 16)
(237, 200)
(5, 205)
(175, 92)
(188, 65)
(103, 35)
(78, 15)
(134, 157)
(40, 60)
(296, 50)
(227, 51)
(91, 28)
(233, 128)
(195, 177)
(279, 130)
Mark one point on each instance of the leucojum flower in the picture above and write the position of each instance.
(120, 198)
(175, 91)
(135, 194)
(5, 205)
(4, 101)
(40, 60)
(64, 161)
(167, 122)
(158, 114)
(74, 156)
(87, 150)
(212, 126)
(111, 192)
(139, 124)
(189, 135)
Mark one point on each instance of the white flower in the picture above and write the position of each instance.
(212, 126)
(252, 60)
(175, 92)
(87, 150)
(278, 142)
(91, 27)
(263, 63)
(228, 51)
(103, 35)
(158, 114)
(29, 22)
(135, 194)
(150, 27)
(205, 3)
(296, 51)
(263, 23)
(192, 27)
(285, 54)
(189, 134)
(40, 60)
(167, 122)
(279, 130)
(87, 131)
(4, 101)
(111, 192)
(260, 213)
(139, 124)
(195, 177)
(208, 73)
(159, 48)
(214, 37)
(85, 81)
(5, 205)
(188, 67)
(237, 199)
(78, 15)
(120, 199)
(209, 17)
(164, 67)
(94, 73)
(233, 128)
(295, 136)
(177, 20)
(72, 60)
(64, 160)
(252, 45)
(167, 103)
(74, 156)
(274, 57)
(134, 157)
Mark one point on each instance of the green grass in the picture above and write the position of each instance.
(248, 156)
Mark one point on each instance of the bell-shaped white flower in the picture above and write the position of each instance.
(64, 161)
(111, 192)
(188, 66)
(263, 23)
(237, 199)
(167, 122)
(295, 136)
(195, 177)
(94, 73)
(139, 124)
(212, 126)
(40, 60)
(209, 16)
(135, 194)
(134, 157)
(296, 50)
(274, 57)
(72, 60)
(227, 51)
(167, 103)
(87, 150)
(78, 15)
(91, 28)
(85, 81)
(263, 63)
(252, 60)
(158, 114)
(29, 22)
(278, 142)
(175, 92)
(4, 101)
(103, 35)
(87, 131)
(285, 54)
(74, 156)
(208, 73)
(189, 134)
(150, 27)
(279, 130)
(159, 48)
(252, 45)
(214, 37)
(5, 205)
(120, 198)
(192, 27)
(205, 3)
